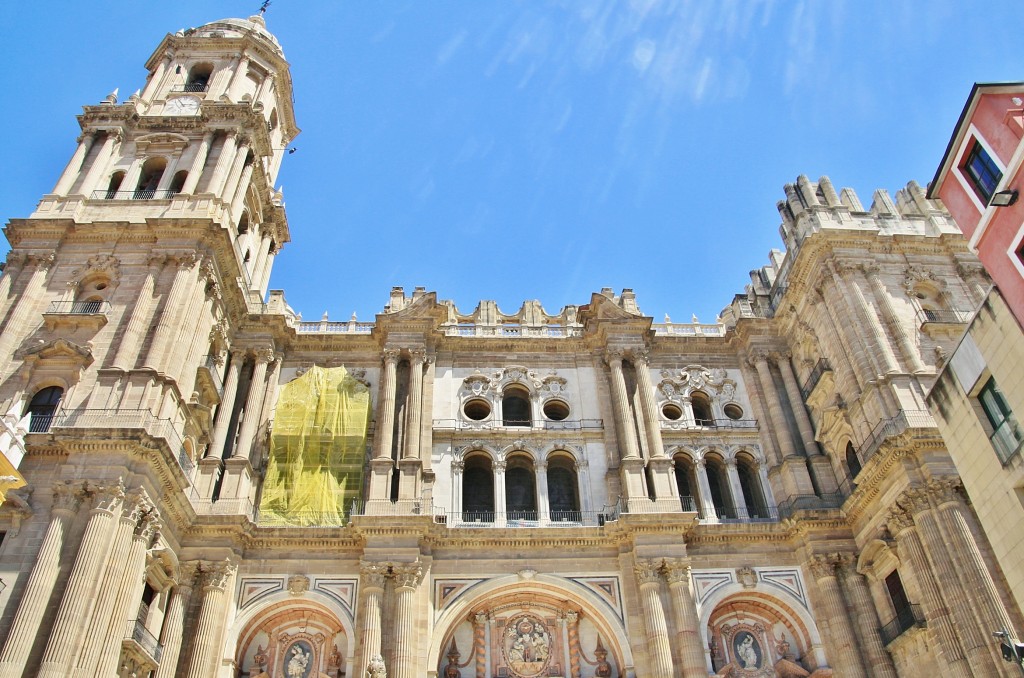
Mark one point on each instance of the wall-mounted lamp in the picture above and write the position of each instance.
(1003, 198)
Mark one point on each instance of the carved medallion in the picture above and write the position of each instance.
(527, 646)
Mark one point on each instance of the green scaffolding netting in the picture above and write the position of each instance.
(317, 449)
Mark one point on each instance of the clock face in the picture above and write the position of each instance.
(182, 106)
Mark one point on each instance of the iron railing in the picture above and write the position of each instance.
(689, 329)
(679, 424)
(212, 369)
(887, 428)
(40, 422)
(331, 327)
(79, 307)
(512, 330)
(906, 618)
(820, 368)
(944, 316)
(198, 86)
(547, 425)
(144, 639)
(129, 419)
(139, 194)
(746, 514)
(521, 519)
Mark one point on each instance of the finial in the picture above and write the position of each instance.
(324, 316)
(668, 321)
(694, 320)
(111, 98)
(136, 95)
(264, 6)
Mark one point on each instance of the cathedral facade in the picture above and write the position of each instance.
(217, 488)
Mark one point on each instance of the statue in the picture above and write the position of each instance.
(297, 664)
(603, 669)
(376, 668)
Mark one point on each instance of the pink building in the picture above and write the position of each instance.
(979, 180)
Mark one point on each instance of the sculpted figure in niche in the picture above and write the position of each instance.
(298, 663)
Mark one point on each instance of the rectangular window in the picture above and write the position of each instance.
(981, 172)
(1006, 435)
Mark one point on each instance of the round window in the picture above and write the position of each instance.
(733, 411)
(477, 409)
(556, 410)
(672, 411)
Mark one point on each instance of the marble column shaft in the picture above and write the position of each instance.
(906, 346)
(74, 166)
(883, 348)
(98, 168)
(659, 649)
(195, 172)
(386, 409)
(867, 623)
(73, 613)
(847, 660)
(373, 575)
(171, 634)
(237, 167)
(253, 403)
(650, 408)
(212, 617)
(227, 405)
(779, 424)
(39, 588)
(623, 415)
(226, 157)
(407, 578)
(691, 647)
(138, 323)
(796, 402)
(166, 327)
(413, 426)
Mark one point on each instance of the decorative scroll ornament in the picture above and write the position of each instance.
(298, 584)
(527, 646)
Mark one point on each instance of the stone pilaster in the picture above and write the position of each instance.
(382, 465)
(217, 579)
(72, 615)
(198, 163)
(253, 403)
(34, 600)
(407, 579)
(899, 331)
(623, 414)
(373, 579)
(691, 648)
(138, 323)
(167, 327)
(14, 329)
(174, 621)
(74, 166)
(659, 650)
(227, 405)
(866, 619)
(846, 659)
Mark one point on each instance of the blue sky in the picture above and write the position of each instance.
(541, 150)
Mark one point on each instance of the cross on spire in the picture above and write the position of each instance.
(264, 6)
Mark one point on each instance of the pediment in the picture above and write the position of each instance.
(59, 350)
(603, 308)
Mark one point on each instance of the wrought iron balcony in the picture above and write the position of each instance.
(907, 618)
(146, 641)
(127, 420)
(198, 86)
(942, 317)
(140, 194)
(820, 368)
(546, 424)
(887, 428)
(211, 369)
(78, 307)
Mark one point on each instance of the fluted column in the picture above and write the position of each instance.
(866, 617)
(650, 408)
(901, 525)
(540, 469)
(69, 624)
(846, 660)
(174, 621)
(74, 166)
(624, 418)
(796, 401)
(412, 420)
(261, 255)
(899, 331)
(386, 409)
(975, 642)
(130, 589)
(217, 580)
(36, 597)
(691, 647)
(224, 160)
(227, 191)
(778, 422)
(241, 71)
(500, 507)
(843, 355)
(704, 487)
(99, 164)
(195, 172)
(154, 79)
(27, 305)
(373, 576)
(227, 405)
(138, 323)
(659, 650)
(883, 349)
(739, 502)
(166, 327)
(239, 196)
(253, 402)
(407, 579)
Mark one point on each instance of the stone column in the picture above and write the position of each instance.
(129, 591)
(240, 73)
(253, 402)
(154, 79)
(480, 643)
(739, 502)
(166, 327)
(26, 306)
(540, 468)
(984, 599)
(976, 643)
(171, 633)
(373, 575)
(382, 465)
(227, 192)
(72, 615)
(571, 624)
(704, 488)
(407, 579)
(910, 354)
(261, 254)
(226, 157)
(138, 323)
(866, 617)
(650, 408)
(412, 421)
(883, 349)
(217, 579)
(973, 275)
(691, 647)
(74, 166)
(850, 320)
(842, 355)
(12, 267)
(195, 172)
(239, 198)
(36, 597)
(264, 272)
(659, 650)
(778, 422)
(167, 176)
(500, 508)
(623, 416)
(796, 401)
(227, 404)
(99, 164)
(846, 660)
(901, 526)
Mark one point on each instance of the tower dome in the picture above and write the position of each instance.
(237, 28)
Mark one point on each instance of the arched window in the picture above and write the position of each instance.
(852, 463)
(718, 480)
(520, 489)
(563, 490)
(43, 407)
(515, 406)
(701, 406)
(199, 78)
(178, 181)
(115, 184)
(686, 481)
(243, 223)
(750, 485)
(149, 179)
(478, 489)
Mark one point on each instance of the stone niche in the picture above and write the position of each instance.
(289, 641)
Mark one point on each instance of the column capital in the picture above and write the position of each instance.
(480, 618)
(43, 262)
(373, 574)
(822, 565)
(265, 355)
(184, 260)
(871, 269)
(945, 490)
(846, 565)
(757, 357)
(641, 356)
(106, 497)
(647, 571)
(417, 355)
(216, 575)
(67, 497)
(188, 572)
(915, 499)
(898, 520)
(499, 465)
(391, 355)
(407, 575)
(677, 570)
(614, 356)
(778, 357)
